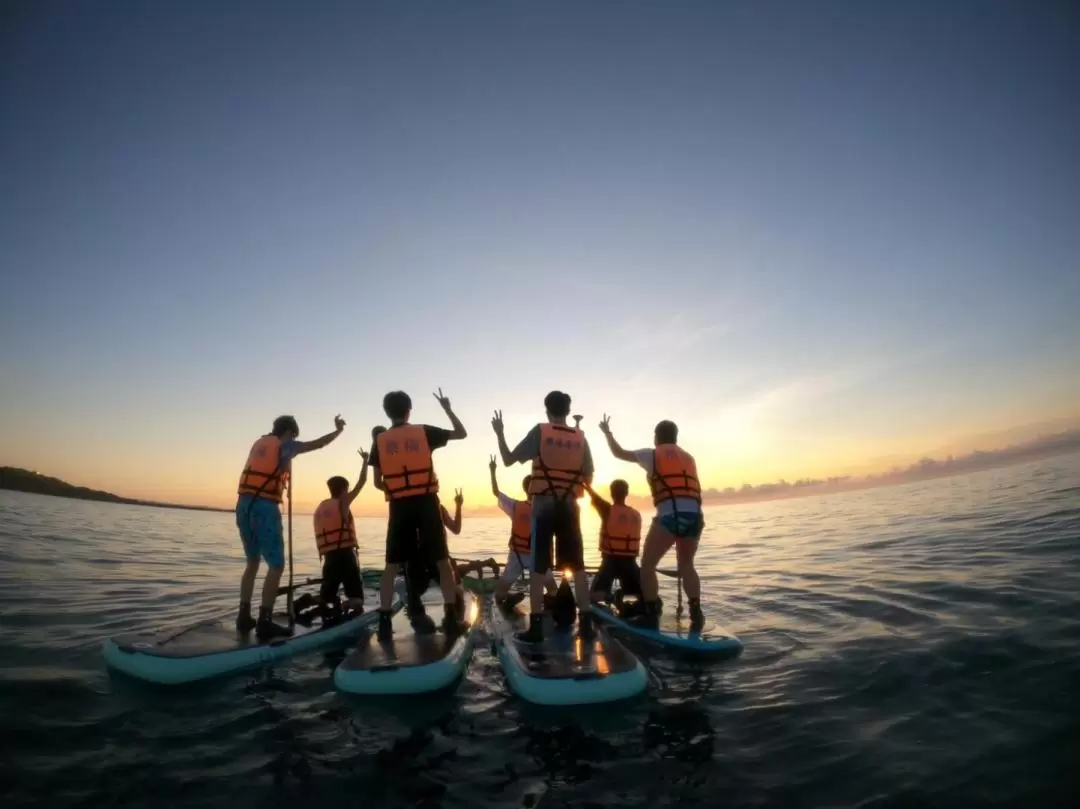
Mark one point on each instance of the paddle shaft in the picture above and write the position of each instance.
(289, 595)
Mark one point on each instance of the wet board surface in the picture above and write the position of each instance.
(563, 653)
(408, 649)
(675, 631)
(210, 637)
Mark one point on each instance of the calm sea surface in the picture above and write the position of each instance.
(909, 646)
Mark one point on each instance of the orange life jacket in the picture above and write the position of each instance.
(262, 476)
(521, 530)
(620, 534)
(557, 469)
(405, 462)
(331, 531)
(674, 475)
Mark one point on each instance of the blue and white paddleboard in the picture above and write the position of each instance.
(675, 634)
(409, 663)
(214, 648)
(565, 669)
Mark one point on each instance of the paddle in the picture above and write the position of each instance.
(289, 596)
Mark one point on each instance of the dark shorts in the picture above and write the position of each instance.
(558, 521)
(623, 568)
(683, 526)
(415, 531)
(340, 569)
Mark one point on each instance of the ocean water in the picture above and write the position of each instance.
(908, 646)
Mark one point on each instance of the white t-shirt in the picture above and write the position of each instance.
(506, 504)
(646, 459)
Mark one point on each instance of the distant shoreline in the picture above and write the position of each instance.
(23, 480)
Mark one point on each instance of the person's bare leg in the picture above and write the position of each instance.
(270, 587)
(447, 582)
(386, 587)
(685, 552)
(657, 543)
(247, 581)
(536, 593)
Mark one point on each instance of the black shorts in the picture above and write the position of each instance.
(415, 530)
(559, 520)
(340, 569)
(623, 568)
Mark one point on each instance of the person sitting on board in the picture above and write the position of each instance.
(561, 463)
(519, 559)
(335, 539)
(258, 517)
(620, 540)
(421, 572)
(404, 469)
(676, 491)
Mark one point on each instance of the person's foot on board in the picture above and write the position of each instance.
(266, 629)
(452, 623)
(245, 622)
(535, 632)
(649, 618)
(386, 630)
(697, 617)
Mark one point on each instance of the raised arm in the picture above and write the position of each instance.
(363, 477)
(454, 525)
(459, 428)
(319, 443)
(601, 505)
(613, 445)
(494, 482)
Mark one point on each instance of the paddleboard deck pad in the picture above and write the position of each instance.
(564, 669)
(214, 648)
(410, 663)
(675, 634)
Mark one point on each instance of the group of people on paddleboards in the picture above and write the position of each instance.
(545, 526)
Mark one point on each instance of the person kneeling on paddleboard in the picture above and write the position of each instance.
(676, 491)
(420, 573)
(561, 462)
(405, 471)
(519, 559)
(335, 539)
(258, 517)
(620, 540)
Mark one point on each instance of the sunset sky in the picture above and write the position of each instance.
(821, 237)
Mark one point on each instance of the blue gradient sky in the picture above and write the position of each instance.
(819, 236)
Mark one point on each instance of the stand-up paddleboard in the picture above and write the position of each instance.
(410, 663)
(564, 669)
(214, 648)
(675, 634)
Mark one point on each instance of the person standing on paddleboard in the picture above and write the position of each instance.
(620, 541)
(561, 463)
(258, 517)
(519, 558)
(676, 491)
(404, 469)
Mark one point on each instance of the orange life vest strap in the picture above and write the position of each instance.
(620, 534)
(560, 474)
(674, 475)
(406, 463)
(521, 529)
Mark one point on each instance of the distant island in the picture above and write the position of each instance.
(23, 480)
(924, 469)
